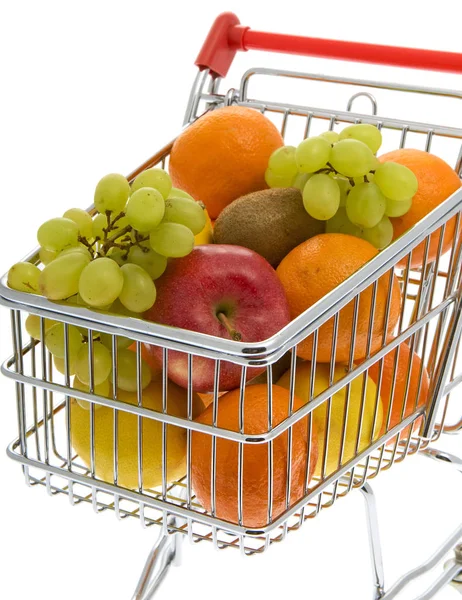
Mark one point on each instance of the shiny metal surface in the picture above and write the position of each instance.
(430, 321)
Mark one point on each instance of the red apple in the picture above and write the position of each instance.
(223, 290)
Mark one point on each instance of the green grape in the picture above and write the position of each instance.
(154, 178)
(368, 134)
(299, 181)
(33, 326)
(313, 154)
(127, 371)
(370, 177)
(46, 256)
(381, 235)
(397, 209)
(331, 136)
(54, 340)
(351, 158)
(101, 282)
(344, 186)
(273, 180)
(76, 300)
(60, 279)
(102, 389)
(99, 223)
(321, 197)
(365, 205)
(145, 209)
(24, 277)
(340, 223)
(111, 193)
(79, 248)
(57, 234)
(102, 363)
(177, 193)
(154, 264)
(186, 212)
(172, 240)
(282, 161)
(121, 341)
(139, 292)
(82, 219)
(396, 181)
(118, 255)
(119, 309)
(61, 366)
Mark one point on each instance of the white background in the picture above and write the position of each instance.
(92, 87)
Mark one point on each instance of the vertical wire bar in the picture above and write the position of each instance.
(404, 132)
(91, 371)
(293, 368)
(364, 383)
(328, 402)
(346, 411)
(34, 398)
(67, 400)
(213, 470)
(46, 445)
(240, 458)
(314, 351)
(115, 425)
(21, 396)
(164, 428)
(428, 141)
(188, 435)
(391, 277)
(442, 316)
(309, 118)
(284, 123)
(139, 423)
(269, 370)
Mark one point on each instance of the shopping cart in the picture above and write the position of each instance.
(430, 323)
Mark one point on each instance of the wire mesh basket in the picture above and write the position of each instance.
(428, 321)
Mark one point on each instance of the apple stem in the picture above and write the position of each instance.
(235, 335)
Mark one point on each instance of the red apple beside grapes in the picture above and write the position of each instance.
(221, 290)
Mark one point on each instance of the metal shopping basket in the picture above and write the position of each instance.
(430, 322)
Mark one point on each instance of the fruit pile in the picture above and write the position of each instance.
(344, 183)
(290, 225)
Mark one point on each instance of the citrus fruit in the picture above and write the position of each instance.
(206, 235)
(437, 181)
(372, 417)
(315, 268)
(224, 155)
(255, 457)
(408, 362)
(177, 404)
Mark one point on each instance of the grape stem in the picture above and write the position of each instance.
(235, 335)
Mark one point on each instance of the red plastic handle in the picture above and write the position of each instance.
(227, 36)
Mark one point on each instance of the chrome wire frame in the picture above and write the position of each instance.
(430, 321)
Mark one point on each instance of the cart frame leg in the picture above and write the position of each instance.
(374, 541)
(164, 553)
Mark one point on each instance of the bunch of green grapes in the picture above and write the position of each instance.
(77, 356)
(344, 184)
(119, 253)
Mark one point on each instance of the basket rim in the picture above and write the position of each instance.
(249, 354)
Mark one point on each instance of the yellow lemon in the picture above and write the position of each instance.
(128, 437)
(338, 403)
(206, 235)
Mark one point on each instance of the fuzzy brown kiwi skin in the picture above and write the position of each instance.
(270, 222)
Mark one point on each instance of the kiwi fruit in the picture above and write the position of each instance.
(270, 222)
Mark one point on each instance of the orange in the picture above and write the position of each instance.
(315, 268)
(255, 457)
(437, 181)
(416, 397)
(224, 155)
